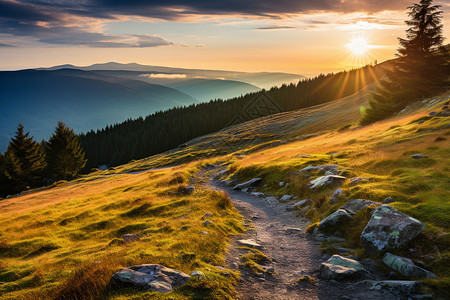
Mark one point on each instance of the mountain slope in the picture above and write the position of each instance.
(83, 99)
(264, 80)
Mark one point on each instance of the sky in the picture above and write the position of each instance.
(295, 36)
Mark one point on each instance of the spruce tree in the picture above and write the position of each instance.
(421, 69)
(24, 160)
(65, 155)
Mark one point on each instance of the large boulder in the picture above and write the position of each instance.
(327, 180)
(342, 268)
(343, 215)
(251, 182)
(389, 229)
(154, 277)
(406, 267)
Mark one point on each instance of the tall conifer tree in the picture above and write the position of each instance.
(421, 69)
(65, 155)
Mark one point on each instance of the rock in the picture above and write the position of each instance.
(293, 230)
(330, 168)
(207, 215)
(402, 287)
(389, 229)
(329, 173)
(251, 182)
(184, 228)
(432, 113)
(189, 190)
(333, 221)
(204, 232)
(337, 193)
(290, 208)
(342, 250)
(225, 274)
(285, 198)
(327, 180)
(300, 204)
(388, 200)
(154, 277)
(356, 205)
(207, 222)
(343, 215)
(418, 156)
(281, 183)
(421, 296)
(197, 274)
(342, 268)
(257, 194)
(250, 243)
(406, 267)
(129, 238)
(357, 180)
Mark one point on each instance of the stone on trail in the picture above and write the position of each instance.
(251, 182)
(285, 198)
(327, 180)
(250, 243)
(302, 203)
(154, 277)
(406, 267)
(342, 268)
(389, 229)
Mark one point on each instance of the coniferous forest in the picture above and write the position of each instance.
(134, 139)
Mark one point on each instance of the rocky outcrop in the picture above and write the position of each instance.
(406, 267)
(342, 268)
(389, 229)
(343, 215)
(154, 277)
(327, 180)
(251, 182)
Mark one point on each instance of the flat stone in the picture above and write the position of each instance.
(250, 243)
(418, 156)
(389, 229)
(342, 268)
(257, 194)
(402, 287)
(406, 267)
(357, 180)
(251, 182)
(300, 204)
(327, 180)
(153, 277)
(285, 198)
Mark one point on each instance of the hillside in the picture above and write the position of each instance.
(66, 240)
(84, 100)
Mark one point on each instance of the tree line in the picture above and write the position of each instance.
(28, 164)
(138, 138)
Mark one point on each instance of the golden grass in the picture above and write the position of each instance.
(65, 242)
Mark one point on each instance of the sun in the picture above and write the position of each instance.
(358, 46)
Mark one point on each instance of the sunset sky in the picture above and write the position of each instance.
(297, 36)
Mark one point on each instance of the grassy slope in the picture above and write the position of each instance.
(50, 237)
(66, 241)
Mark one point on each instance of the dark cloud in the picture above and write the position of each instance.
(52, 21)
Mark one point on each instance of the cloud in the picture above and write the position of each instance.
(6, 45)
(164, 76)
(276, 27)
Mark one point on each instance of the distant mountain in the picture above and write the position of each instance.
(206, 89)
(84, 100)
(264, 80)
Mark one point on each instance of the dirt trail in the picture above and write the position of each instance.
(283, 239)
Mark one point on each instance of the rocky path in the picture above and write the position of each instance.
(284, 240)
(294, 254)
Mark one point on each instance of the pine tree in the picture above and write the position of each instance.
(24, 160)
(421, 69)
(65, 155)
